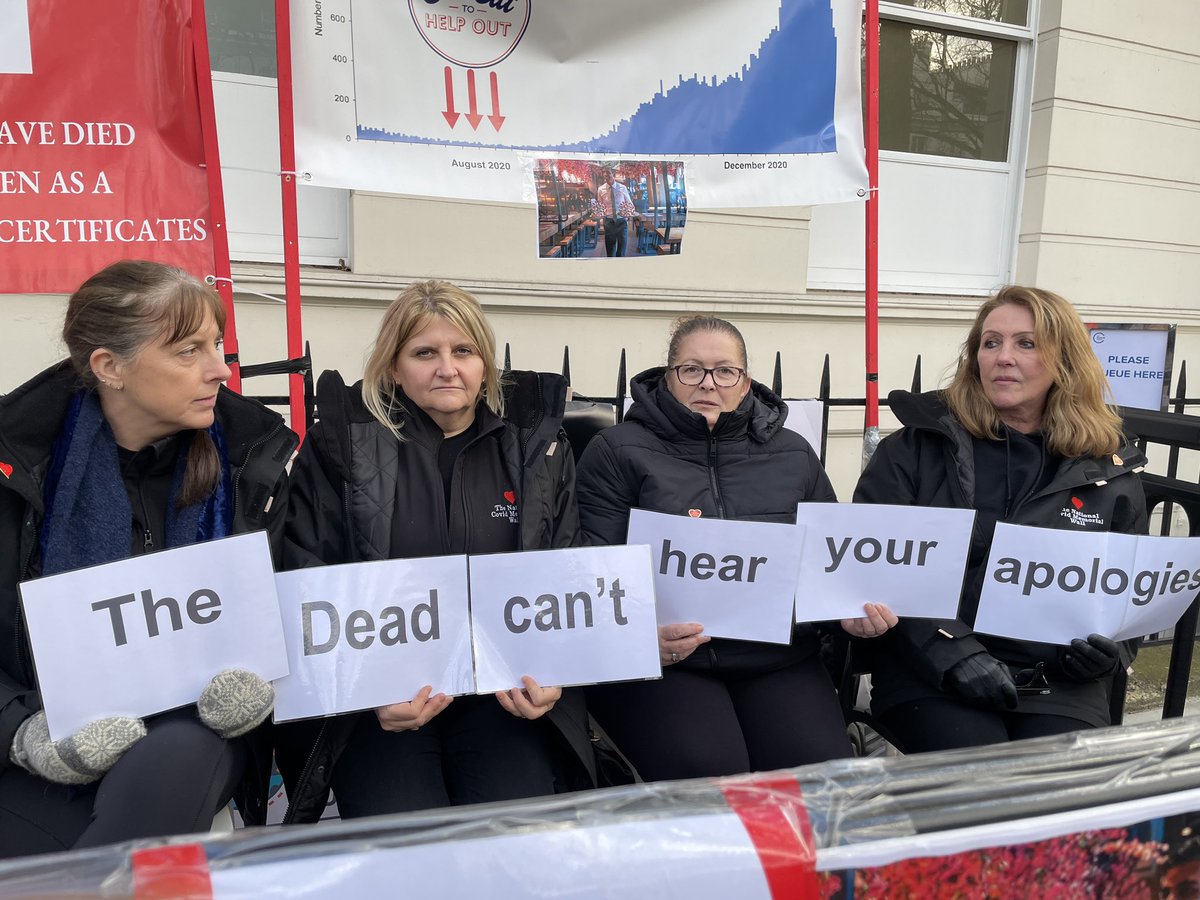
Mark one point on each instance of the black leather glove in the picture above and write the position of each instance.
(982, 680)
(1091, 659)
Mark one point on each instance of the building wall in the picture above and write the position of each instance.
(1110, 217)
(1111, 213)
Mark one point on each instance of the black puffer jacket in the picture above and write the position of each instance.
(344, 508)
(931, 462)
(259, 445)
(664, 458)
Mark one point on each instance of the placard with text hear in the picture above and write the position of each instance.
(1043, 584)
(910, 557)
(364, 635)
(564, 617)
(146, 634)
(737, 579)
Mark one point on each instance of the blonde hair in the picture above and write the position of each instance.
(410, 314)
(1077, 421)
(687, 325)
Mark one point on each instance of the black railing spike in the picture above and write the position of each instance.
(507, 358)
(566, 369)
(916, 382)
(777, 378)
(1181, 388)
(621, 388)
(823, 396)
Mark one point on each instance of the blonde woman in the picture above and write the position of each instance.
(412, 462)
(1021, 435)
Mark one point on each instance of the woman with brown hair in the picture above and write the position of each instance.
(390, 472)
(1021, 435)
(130, 445)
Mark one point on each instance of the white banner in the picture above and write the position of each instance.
(696, 856)
(146, 634)
(1048, 585)
(759, 98)
(15, 56)
(564, 617)
(364, 635)
(910, 557)
(737, 579)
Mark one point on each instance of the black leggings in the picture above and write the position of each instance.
(700, 722)
(172, 781)
(942, 723)
(472, 752)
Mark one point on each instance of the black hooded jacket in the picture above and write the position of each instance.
(258, 444)
(932, 461)
(664, 458)
(345, 507)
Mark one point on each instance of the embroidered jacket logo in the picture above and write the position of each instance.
(508, 508)
(1076, 516)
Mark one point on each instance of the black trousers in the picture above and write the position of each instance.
(944, 723)
(471, 752)
(172, 781)
(615, 236)
(697, 722)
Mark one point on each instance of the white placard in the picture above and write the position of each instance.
(364, 635)
(1136, 359)
(1049, 585)
(564, 617)
(911, 558)
(806, 418)
(146, 634)
(737, 579)
(15, 57)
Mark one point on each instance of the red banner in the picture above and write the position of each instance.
(101, 146)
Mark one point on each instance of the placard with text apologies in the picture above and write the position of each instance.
(910, 557)
(146, 634)
(364, 635)
(564, 617)
(737, 579)
(1051, 585)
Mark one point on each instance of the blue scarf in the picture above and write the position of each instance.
(88, 516)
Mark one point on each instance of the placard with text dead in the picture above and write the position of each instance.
(364, 635)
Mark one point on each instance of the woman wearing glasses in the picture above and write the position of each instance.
(703, 437)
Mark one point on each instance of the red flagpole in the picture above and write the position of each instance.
(871, 135)
(216, 191)
(291, 241)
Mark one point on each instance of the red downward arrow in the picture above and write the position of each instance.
(449, 113)
(495, 118)
(473, 116)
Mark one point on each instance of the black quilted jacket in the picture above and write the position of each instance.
(344, 508)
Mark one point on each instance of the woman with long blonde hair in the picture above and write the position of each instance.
(1022, 435)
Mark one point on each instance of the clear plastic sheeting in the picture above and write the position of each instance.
(758, 836)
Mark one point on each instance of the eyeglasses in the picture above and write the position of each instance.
(1032, 681)
(722, 376)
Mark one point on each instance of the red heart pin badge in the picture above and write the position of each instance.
(694, 513)
(1077, 503)
(510, 496)
(5, 470)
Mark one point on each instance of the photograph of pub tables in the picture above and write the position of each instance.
(599, 209)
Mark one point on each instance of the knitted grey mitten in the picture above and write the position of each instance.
(81, 758)
(235, 701)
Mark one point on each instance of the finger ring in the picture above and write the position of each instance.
(674, 657)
